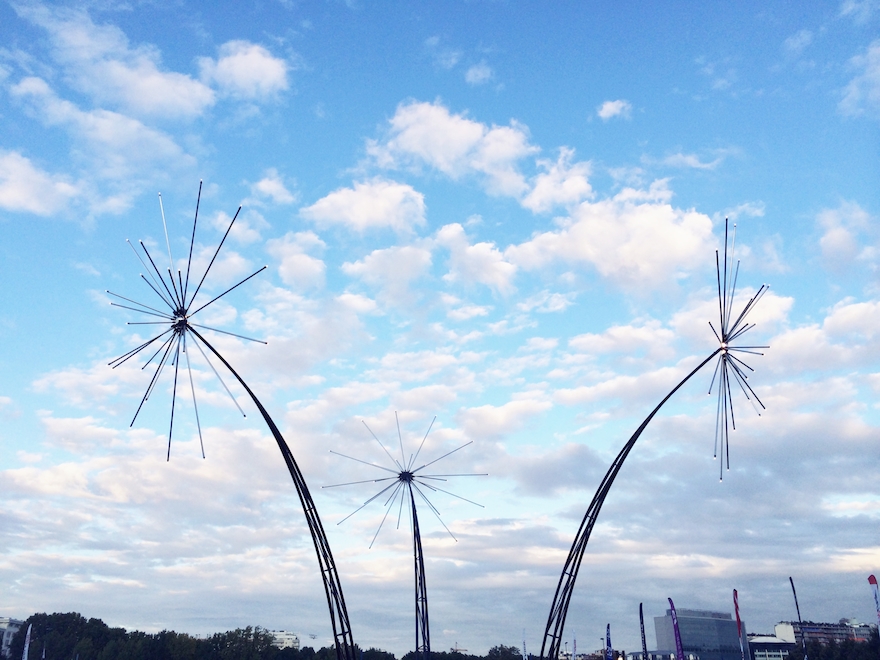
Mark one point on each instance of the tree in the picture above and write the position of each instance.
(502, 652)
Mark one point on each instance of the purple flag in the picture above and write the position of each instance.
(679, 653)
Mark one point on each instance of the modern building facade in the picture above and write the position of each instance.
(709, 635)
(8, 628)
(657, 655)
(824, 633)
(769, 647)
(284, 639)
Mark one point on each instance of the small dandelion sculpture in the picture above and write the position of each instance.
(176, 309)
(175, 295)
(728, 368)
(407, 481)
(728, 364)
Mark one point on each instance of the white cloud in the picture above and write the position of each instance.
(480, 263)
(358, 303)
(246, 228)
(618, 108)
(246, 70)
(24, 187)
(488, 420)
(428, 134)
(636, 239)
(444, 57)
(370, 204)
(297, 267)
(649, 338)
(272, 186)
(862, 94)
(99, 61)
(478, 74)
(749, 209)
(843, 239)
(120, 149)
(392, 270)
(692, 161)
(797, 43)
(545, 302)
(561, 183)
(860, 10)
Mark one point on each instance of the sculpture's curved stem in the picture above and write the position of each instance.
(345, 649)
(559, 608)
(423, 631)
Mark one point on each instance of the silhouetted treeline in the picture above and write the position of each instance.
(73, 637)
(847, 650)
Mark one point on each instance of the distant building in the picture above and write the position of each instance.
(709, 635)
(824, 633)
(769, 647)
(284, 639)
(8, 628)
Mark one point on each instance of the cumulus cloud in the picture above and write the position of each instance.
(478, 74)
(637, 239)
(459, 311)
(649, 338)
(99, 61)
(748, 209)
(392, 270)
(843, 229)
(272, 186)
(120, 148)
(488, 420)
(862, 94)
(24, 187)
(246, 228)
(370, 204)
(245, 70)
(297, 267)
(561, 183)
(480, 263)
(429, 134)
(611, 109)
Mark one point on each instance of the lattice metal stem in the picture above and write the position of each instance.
(423, 630)
(562, 598)
(345, 649)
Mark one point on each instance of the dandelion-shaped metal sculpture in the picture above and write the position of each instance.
(177, 309)
(408, 481)
(729, 368)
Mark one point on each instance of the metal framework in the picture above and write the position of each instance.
(178, 335)
(345, 649)
(407, 481)
(729, 368)
(423, 628)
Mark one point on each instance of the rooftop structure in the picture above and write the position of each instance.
(824, 633)
(769, 647)
(8, 628)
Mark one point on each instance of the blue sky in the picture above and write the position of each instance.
(503, 214)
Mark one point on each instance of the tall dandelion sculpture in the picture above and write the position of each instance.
(176, 301)
(407, 485)
(731, 372)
